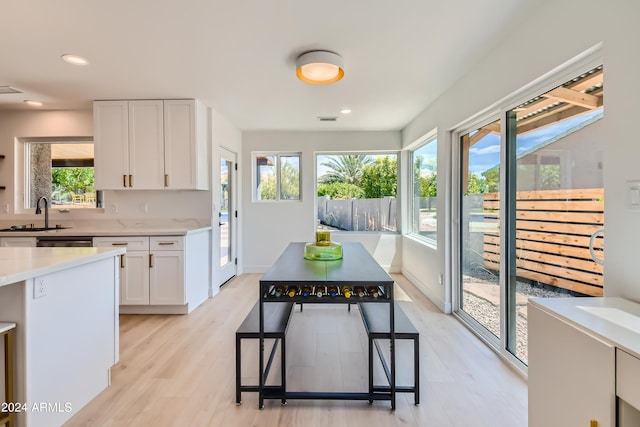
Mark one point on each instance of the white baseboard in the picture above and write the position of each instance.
(428, 292)
(154, 309)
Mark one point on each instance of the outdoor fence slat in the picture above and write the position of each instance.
(579, 217)
(492, 244)
(553, 229)
(559, 261)
(576, 194)
(558, 227)
(559, 282)
(555, 216)
(557, 205)
(568, 273)
(548, 205)
(560, 239)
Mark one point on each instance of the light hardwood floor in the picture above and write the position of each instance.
(180, 370)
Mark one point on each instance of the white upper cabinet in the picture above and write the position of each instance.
(146, 145)
(185, 145)
(111, 144)
(150, 145)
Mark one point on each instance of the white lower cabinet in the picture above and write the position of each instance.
(13, 242)
(571, 374)
(166, 271)
(134, 278)
(152, 269)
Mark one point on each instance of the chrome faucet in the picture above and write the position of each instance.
(46, 210)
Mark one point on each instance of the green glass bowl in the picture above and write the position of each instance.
(323, 253)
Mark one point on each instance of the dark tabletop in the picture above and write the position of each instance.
(357, 267)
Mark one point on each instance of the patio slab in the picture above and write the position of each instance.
(491, 293)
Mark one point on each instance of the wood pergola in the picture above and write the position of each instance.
(580, 95)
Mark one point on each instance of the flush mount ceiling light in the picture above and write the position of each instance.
(74, 59)
(33, 103)
(319, 67)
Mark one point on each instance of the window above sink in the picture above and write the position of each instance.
(61, 169)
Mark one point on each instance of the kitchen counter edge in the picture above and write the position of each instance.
(98, 232)
(19, 264)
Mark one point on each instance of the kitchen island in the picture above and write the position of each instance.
(166, 269)
(64, 302)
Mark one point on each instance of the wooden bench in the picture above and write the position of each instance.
(375, 317)
(276, 322)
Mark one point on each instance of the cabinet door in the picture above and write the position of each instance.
(134, 278)
(185, 145)
(166, 281)
(571, 374)
(146, 145)
(111, 144)
(22, 242)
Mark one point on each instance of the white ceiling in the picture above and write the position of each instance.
(238, 56)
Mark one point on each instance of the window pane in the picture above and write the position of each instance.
(357, 192)
(290, 177)
(266, 177)
(559, 201)
(480, 227)
(62, 172)
(425, 190)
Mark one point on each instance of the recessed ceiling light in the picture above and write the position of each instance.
(33, 103)
(345, 110)
(75, 59)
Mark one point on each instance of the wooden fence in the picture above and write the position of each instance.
(553, 229)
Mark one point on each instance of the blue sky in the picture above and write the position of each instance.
(485, 154)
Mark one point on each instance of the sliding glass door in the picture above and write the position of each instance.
(531, 202)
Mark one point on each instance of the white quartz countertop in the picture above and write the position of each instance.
(18, 264)
(615, 320)
(109, 229)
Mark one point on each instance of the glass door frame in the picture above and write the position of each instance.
(223, 273)
(456, 231)
(582, 63)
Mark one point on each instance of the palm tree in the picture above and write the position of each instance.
(346, 168)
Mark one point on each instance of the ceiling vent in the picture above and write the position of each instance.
(328, 119)
(8, 89)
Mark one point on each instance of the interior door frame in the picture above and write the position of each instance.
(222, 274)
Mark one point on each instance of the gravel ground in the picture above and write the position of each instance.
(489, 316)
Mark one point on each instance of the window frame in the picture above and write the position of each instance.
(373, 153)
(23, 181)
(278, 155)
(428, 138)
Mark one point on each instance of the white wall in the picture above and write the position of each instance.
(622, 62)
(182, 205)
(520, 59)
(269, 226)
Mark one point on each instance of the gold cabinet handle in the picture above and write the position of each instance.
(124, 180)
(165, 243)
(122, 261)
(166, 180)
(119, 244)
(150, 260)
(130, 180)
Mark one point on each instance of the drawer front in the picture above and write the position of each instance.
(166, 243)
(627, 376)
(131, 243)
